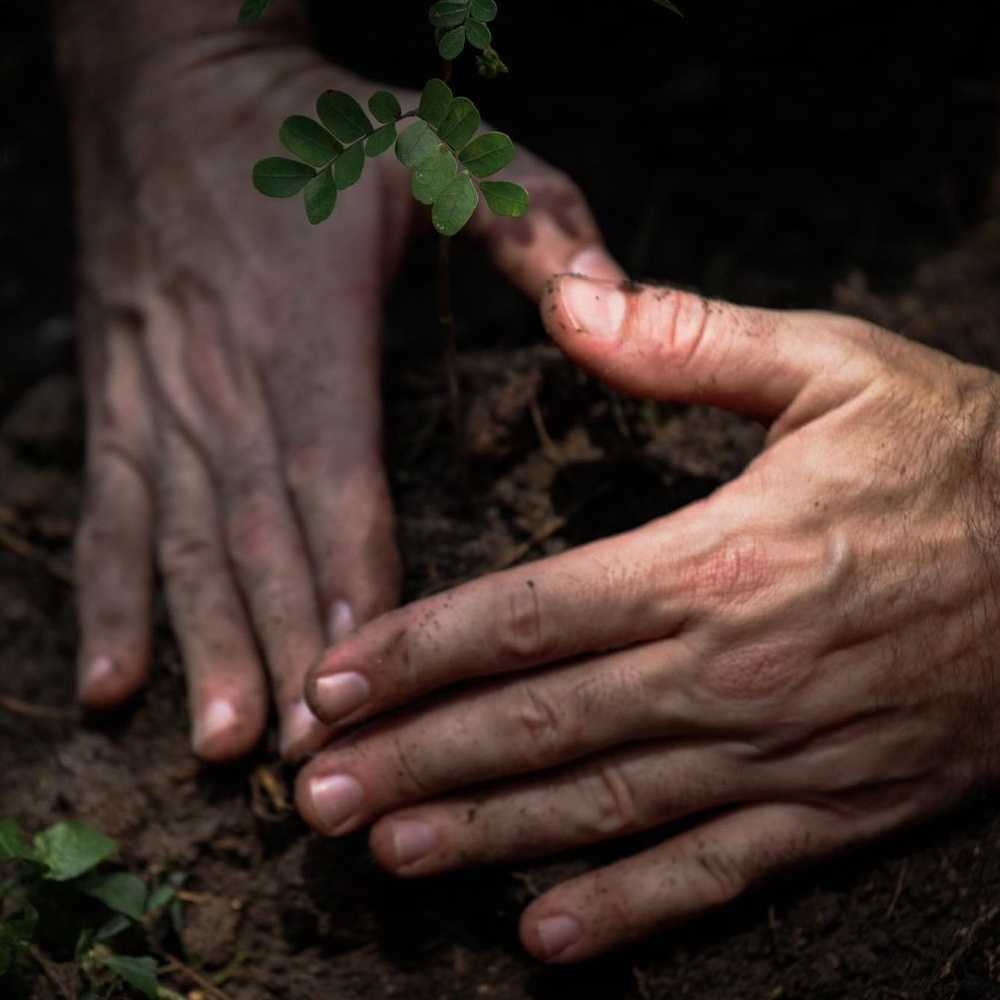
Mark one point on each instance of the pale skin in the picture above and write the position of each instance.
(805, 660)
(232, 360)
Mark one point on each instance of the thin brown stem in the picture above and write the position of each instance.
(446, 320)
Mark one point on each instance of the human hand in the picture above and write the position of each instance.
(800, 662)
(231, 359)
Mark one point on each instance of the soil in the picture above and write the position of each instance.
(841, 159)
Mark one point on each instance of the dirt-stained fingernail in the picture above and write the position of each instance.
(301, 731)
(557, 934)
(217, 719)
(340, 695)
(597, 308)
(335, 800)
(340, 622)
(412, 840)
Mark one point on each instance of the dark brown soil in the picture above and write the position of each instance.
(908, 235)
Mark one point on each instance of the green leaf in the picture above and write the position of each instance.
(435, 102)
(71, 849)
(139, 973)
(343, 116)
(321, 200)
(416, 144)
(670, 6)
(462, 123)
(452, 43)
(111, 929)
(433, 175)
(350, 166)
(121, 892)
(505, 198)
(278, 177)
(385, 107)
(13, 846)
(488, 153)
(253, 10)
(160, 896)
(483, 10)
(381, 140)
(478, 34)
(449, 13)
(309, 141)
(455, 206)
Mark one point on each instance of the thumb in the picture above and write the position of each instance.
(661, 343)
(558, 235)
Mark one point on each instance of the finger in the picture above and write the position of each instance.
(328, 415)
(668, 344)
(113, 554)
(227, 689)
(595, 598)
(705, 868)
(214, 395)
(613, 795)
(499, 731)
(558, 235)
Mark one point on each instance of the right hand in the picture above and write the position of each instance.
(231, 361)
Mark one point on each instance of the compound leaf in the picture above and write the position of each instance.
(483, 10)
(462, 123)
(381, 140)
(253, 10)
(506, 198)
(309, 141)
(13, 846)
(416, 144)
(139, 973)
(452, 43)
(121, 892)
(321, 199)
(433, 175)
(479, 34)
(455, 206)
(449, 13)
(350, 166)
(488, 153)
(343, 116)
(278, 177)
(385, 107)
(71, 849)
(670, 6)
(435, 102)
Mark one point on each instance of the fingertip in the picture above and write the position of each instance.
(224, 732)
(596, 263)
(105, 682)
(302, 733)
(552, 936)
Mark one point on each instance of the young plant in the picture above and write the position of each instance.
(58, 894)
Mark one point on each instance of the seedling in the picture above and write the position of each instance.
(59, 896)
(440, 143)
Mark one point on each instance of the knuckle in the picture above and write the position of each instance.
(541, 729)
(251, 528)
(186, 553)
(736, 571)
(521, 631)
(722, 877)
(684, 332)
(610, 801)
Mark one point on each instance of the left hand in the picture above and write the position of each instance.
(804, 660)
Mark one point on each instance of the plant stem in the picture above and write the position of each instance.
(446, 320)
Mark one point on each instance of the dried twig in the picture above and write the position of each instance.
(201, 981)
(899, 889)
(23, 548)
(514, 555)
(46, 713)
(49, 971)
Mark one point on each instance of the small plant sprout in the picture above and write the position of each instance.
(59, 899)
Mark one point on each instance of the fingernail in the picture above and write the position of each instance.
(97, 672)
(217, 718)
(597, 263)
(556, 934)
(412, 840)
(335, 801)
(300, 730)
(338, 695)
(340, 622)
(596, 308)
